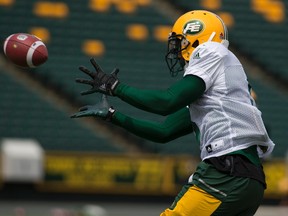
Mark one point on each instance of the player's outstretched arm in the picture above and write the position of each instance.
(163, 102)
(174, 126)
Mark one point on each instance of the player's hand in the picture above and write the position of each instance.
(100, 81)
(100, 110)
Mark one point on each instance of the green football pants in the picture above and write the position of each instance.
(215, 193)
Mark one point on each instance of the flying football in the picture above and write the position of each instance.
(25, 50)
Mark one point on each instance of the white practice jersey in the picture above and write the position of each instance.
(225, 115)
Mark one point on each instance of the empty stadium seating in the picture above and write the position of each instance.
(26, 114)
(122, 34)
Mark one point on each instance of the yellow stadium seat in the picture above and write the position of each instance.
(137, 32)
(161, 33)
(227, 18)
(126, 6)
(273, 11)
(93, 47)
(6, 2)
(41, 32)
(99, 5)
(211, 4)
(51, 9)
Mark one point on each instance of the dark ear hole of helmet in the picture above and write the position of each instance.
(195, 44)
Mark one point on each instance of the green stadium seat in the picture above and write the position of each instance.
(141, 64)
(24, 114)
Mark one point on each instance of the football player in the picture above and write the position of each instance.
(213, 101)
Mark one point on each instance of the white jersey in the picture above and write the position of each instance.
(225, 115)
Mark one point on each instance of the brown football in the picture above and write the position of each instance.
(25, 50)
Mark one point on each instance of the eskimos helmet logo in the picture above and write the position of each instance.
(193, 27)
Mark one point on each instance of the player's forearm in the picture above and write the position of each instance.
(174, 126)
(163, 102)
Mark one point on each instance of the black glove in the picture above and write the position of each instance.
(100, 81)
(100, 110)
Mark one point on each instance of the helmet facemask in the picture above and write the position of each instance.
(176, 44)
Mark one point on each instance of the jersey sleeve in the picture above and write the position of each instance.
(205, 62)
(163, 102)
(175, 125)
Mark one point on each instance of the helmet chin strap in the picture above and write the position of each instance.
(224, 41)
(212, 36)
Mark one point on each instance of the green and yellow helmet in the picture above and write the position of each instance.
(190, 30)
